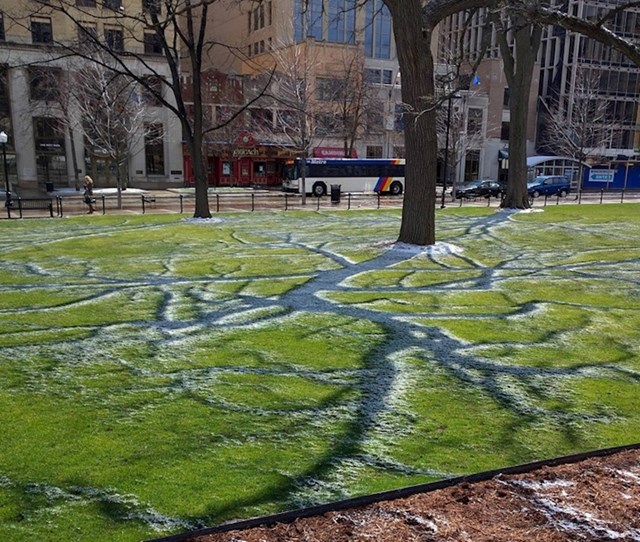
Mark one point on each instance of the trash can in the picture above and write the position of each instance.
(335, 193)
(49, 186)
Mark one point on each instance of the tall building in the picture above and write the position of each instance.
(44, 150)
(562, 57)
(326, 43)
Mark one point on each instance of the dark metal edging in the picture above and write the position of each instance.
(356, 502)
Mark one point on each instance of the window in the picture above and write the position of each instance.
(472, 165)
(154, 149)
(374, 151)
(152, 43)
(474, 121)
(151, 6)
(44, 83)
(261, 118)
(504, 132)
(48, 134)
(372, 75)
(307, 15)
(86, 3)
(506, 97)
(327, 123)
(152, 90)
(41, 30)
(341, 19)
(114, 39)
(327, 89)
(115, 5)
(377, 33)
(87, 33)
(2, 38)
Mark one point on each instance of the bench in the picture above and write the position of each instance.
(28, 204)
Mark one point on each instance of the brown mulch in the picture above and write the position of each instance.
(595, 500)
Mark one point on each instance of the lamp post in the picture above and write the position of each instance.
(446, 153)
(3, 141)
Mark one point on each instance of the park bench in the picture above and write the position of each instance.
(29, 204)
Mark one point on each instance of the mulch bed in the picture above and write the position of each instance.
(595, 500)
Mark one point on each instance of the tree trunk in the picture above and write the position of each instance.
(413, 40)
(517, 196)
(518, 70)
(202, 186)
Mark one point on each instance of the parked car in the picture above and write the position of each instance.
(549, 185)
(481, 188)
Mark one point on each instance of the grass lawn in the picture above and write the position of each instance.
(160, 374)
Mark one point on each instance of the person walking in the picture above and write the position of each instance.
(88, 193)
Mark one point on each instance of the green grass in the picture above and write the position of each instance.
(157, 374)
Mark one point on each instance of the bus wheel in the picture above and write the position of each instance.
(319, 189)
(396, 188)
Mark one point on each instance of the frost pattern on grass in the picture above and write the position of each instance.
(378, 413)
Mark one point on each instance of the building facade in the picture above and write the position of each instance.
(338, 48)
(45, 150)
(563, 57)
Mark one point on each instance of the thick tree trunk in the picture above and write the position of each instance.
(518, 70)
(517, 196)
(202, 186)
(413, 43)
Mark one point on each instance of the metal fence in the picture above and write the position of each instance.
(219, 202)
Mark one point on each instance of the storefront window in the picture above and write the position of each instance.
(226, 169)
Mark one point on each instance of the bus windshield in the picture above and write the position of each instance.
(290, 172)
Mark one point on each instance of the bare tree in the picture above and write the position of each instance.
(579, 125)
(297, 111)
(174, 31)
(519, 41)
(112, 112)
(354, 101)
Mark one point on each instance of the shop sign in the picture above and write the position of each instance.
(332, 152)
(245, 152)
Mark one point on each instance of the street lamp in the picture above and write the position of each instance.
(3, 141)
(446, 153)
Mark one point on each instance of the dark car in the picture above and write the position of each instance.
(549, 185)
(483, 188)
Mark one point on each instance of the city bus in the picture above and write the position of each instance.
(381, 175)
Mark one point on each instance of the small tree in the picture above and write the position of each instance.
(112, 113)
(579, 125)
(354, 100)
(293, 92)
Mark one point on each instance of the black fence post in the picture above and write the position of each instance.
(546, 197)
(378, 200)
(286, 201)
(253, 202)
(181, 203)
(19, 207)
(318, 203)
(217, 203)
(622, 196)
(348, 201)
(601, 194)
(104, 206)
(143, 202)
(579, 196)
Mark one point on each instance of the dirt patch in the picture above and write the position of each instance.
(595, 500)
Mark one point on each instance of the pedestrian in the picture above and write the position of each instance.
(88, 193)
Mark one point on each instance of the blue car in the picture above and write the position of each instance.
(549, 185)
